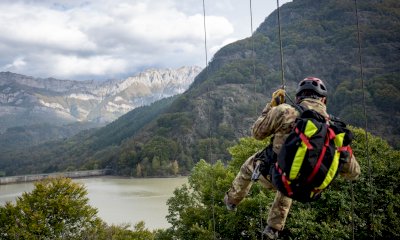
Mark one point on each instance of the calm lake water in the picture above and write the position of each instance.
(119, 200)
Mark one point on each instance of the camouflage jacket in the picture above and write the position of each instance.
(280, 120)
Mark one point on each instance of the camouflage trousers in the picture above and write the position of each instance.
(241, 186)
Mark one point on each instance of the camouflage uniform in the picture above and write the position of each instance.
(278, 121)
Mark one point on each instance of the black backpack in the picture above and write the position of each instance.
(311, 157)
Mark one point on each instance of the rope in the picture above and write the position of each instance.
(253, 58)
(280, 43)
(366, 121)
(209, 117)
(205, 36)
(352, 210)
(281, 53)
(255, 99)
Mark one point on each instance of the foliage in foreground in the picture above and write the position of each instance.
(196, 210)
(58, 208)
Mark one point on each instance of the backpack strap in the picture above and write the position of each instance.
(263, 162)
(346, 149)
(333, 118)
(298, 107)
(284, 180)
(311, 113)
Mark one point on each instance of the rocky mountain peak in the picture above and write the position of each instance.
(25, 100)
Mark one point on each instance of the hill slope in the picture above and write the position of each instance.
(319, 38)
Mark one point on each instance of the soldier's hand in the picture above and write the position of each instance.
(278, 97)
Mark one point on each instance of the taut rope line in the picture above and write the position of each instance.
(280, 43)
(209, 117)
(366, 121)
(253, 56)
(255, 97)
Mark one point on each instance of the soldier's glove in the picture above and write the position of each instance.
(278, 97)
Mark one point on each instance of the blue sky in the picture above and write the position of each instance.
(103, 39)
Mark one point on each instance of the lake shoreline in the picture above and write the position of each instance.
(38, 177)
(73, 174)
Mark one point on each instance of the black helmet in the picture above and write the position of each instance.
(314, 84)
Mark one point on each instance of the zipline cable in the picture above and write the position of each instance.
(205, 36)
(352, 210)
(280, 43)
(209, 117)
(366, 121)
(281, 52)
(253, 56)
(255, 98)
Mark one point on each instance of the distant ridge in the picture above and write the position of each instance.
(26, 100)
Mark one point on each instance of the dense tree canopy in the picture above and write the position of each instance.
(55, 209)
(371, 204)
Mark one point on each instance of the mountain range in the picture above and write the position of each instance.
(29, 105)
(34, 100)
(319, 38)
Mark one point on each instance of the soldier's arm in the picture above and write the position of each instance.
(269, 121)
(351, 170)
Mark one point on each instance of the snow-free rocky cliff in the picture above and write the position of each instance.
(26, 100)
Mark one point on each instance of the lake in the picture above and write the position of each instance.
(119, 200)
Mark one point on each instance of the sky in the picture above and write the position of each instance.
(115, 39)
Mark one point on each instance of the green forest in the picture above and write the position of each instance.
(364, 209)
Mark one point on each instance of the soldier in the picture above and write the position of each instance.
(278, 120)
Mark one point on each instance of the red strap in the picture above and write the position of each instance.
(287, 186)
(322, 155)
(285, 181)
(346, 149)
(318, 165)
(331, 133)
(304, 138)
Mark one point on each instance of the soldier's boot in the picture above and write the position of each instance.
(229, 206)
(271, 233)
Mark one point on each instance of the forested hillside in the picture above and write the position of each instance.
(319, 39)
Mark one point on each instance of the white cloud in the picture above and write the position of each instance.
(41, 27)
(79, 39)
(70, 66)
(18, 63)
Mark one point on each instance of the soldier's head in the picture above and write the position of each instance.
(311, 87)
